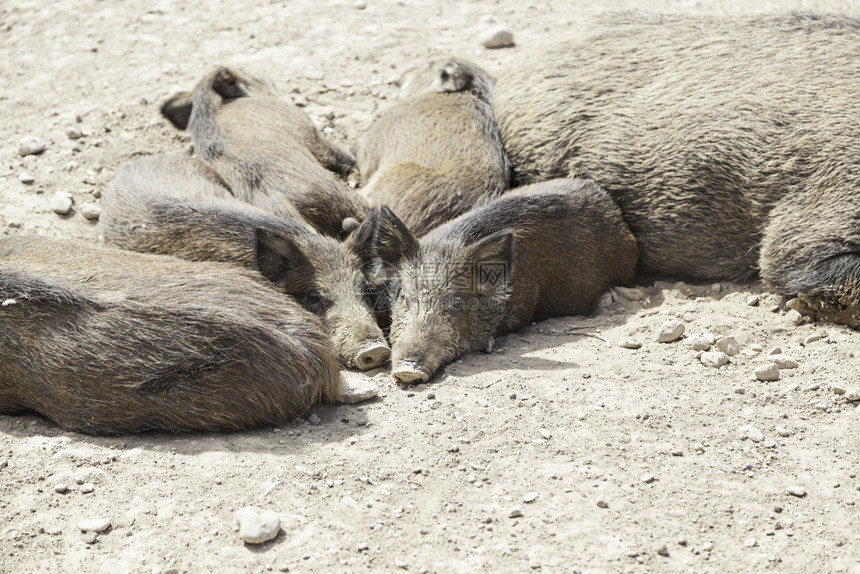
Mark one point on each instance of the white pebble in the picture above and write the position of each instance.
(530, 497)
(87, 487)
(775, 351)
(783, 361)
(767, 372)
(26, 178)
(61, 204)
(435, 405)
(838, 389)
(753, 300)
(61, 487)
(699, 343)
(669, 331)
(497, 37)
(90, 211)
(794, 317)
(257, 526)
(728, 345)
(30, 145)
(94, 525)
(545, 434)
(714, 359)
(755, 435)
(750, 542)
(515, 513)
(356, 388)
(812, 339)
(798, 491)
(852, 395)
(630, 343)
(647, 478)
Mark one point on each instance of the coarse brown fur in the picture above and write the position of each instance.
(270, 153)
(105, 341)
(170, 204)
(437, 152)
(730, 144)
(546, 250)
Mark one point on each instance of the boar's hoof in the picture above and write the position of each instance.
(410, 373)
(372, 355)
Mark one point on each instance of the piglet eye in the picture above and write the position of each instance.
(314, 301)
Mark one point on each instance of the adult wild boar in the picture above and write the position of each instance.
(730, 144)
(546, 250)
(268, 151)
(105, 341)
(175, 205)
(437, 152)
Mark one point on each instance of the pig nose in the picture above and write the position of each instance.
(410, 373)
(372, 355)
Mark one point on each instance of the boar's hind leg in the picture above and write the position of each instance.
(811, 248)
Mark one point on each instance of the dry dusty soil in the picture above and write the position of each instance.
(562, 451)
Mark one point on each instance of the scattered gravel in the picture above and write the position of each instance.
(30, 145)
(699, 343)
(91, 211)
(356, 387)
(94, 525)
(798, 491)
(257, 526)
(61, 204)
(497, 37)
(669, 331)
(728, 345)
(715, 359)
(767, 372)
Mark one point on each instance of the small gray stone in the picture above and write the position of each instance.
(783, 361)
(699, 343)
(91, 211)
(314, 419)
(94, 525)
(257, 526)
(767, 372)
(74, 133)
(497, 37)
(356, 388)
(798, 491)
(669, 331)
(728, 345)
(714, 359)
(30, 145)
(61, 204)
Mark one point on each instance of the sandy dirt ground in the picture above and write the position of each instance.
(562, 451)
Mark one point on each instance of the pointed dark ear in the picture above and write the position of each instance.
(493, 258)
(454, 76)
(393, 241)
(361, 236)
(177, 109)
(277, 256)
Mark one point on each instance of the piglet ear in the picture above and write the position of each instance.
(393, 241)
(453, 76)
(277, 256)
(493, 263)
